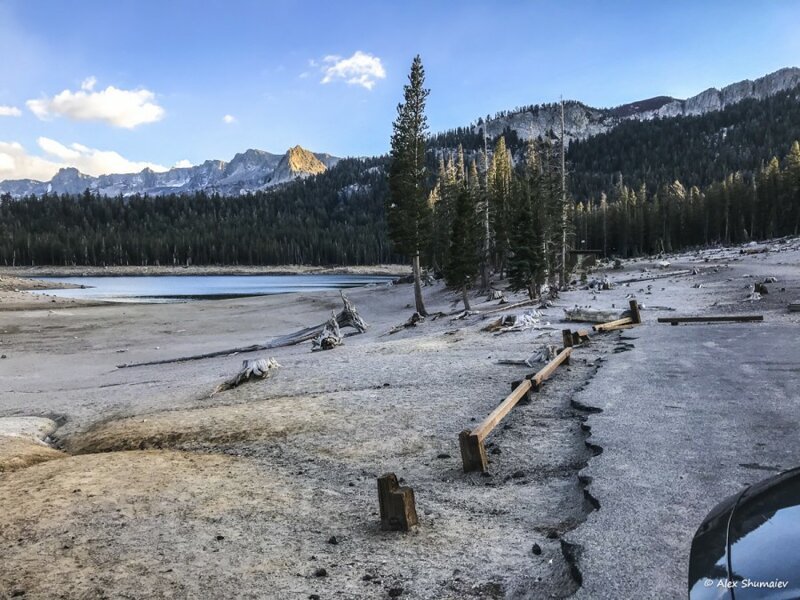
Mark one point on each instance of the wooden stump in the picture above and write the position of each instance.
(397, 505)
(636, 317)
(566, 336)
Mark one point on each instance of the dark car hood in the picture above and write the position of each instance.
(749, 544)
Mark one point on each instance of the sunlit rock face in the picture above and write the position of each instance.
(248, 171)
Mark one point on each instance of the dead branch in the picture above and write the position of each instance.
(260, 368)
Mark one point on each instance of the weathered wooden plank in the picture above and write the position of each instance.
(611, 325)
(712, 319)
(549, 368)
(502, 409)
(567, 337)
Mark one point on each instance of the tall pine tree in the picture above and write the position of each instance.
(408, 212)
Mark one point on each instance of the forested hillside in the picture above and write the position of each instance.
(697, 150)
(333, 218)
(645, 186)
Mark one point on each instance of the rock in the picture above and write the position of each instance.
(367, 577)
(536, 549)
(395, 592)
(321, 572)
(495, 451)
(518, 474)
(552, 534)
(443, 455)
(333, 540)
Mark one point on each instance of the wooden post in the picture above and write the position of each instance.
(566, 335)
(473, 454)
(636, 317)
(398, 509)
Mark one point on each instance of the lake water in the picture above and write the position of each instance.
(170, 288)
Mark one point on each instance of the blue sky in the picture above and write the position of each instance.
(328, 75)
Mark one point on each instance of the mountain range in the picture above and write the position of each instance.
(248, 171)
(256, 170)
(582, 121)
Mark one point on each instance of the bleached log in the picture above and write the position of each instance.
(347, 317)
(261, 368)
(591, 315)
(329, 337)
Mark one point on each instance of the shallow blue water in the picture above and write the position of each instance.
(188, 287)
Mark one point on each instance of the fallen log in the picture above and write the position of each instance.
(591, 315)
(347, 317)
(261, 368)
(712, 319)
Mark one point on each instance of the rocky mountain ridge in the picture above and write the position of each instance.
(582, 121)
(248, 171)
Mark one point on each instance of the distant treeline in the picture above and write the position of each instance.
(739, 208)
(335, 218)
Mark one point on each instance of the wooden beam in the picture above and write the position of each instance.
(397, 504)
(712, 319)
(473, 452)
(611, 325)
(566, 336)
(550, 368)
(502, 410)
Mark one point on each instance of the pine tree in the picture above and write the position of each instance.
(408, 212)
(525, 261)
(464, 260)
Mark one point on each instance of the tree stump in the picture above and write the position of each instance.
(329, 337)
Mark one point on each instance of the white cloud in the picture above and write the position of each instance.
(229, 119)
(360, 69)
(89, 83)
(120, 108)
(9, 111)
(182, 164)
(17, 163)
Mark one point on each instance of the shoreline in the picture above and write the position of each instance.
(34, 272)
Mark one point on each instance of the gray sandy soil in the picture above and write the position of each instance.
(165, 492)
(158, 470)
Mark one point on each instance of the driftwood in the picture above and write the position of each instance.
(543, 355)
(521, 322)
(329, 337)
(590, 315)
(347, 317)
(261, 368)
(412, 322)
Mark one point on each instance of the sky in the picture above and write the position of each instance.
(123, 85)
